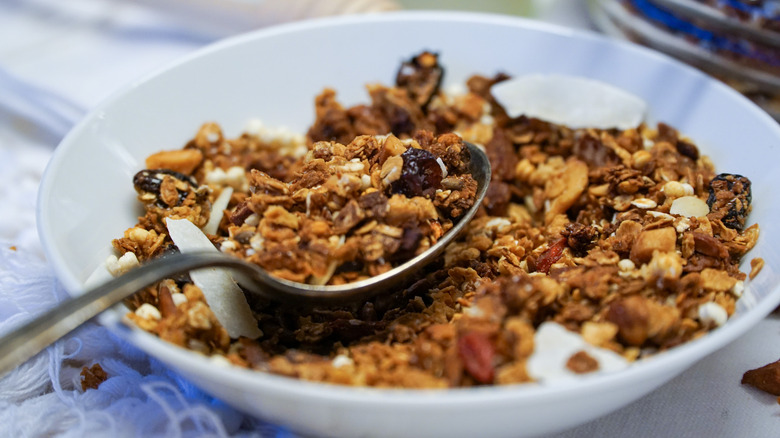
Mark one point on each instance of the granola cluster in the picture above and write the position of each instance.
(627, 240)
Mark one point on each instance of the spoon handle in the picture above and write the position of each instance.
(26, 341)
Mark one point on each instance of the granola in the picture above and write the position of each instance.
(615, 243)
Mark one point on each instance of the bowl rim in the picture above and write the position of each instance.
(669, 361)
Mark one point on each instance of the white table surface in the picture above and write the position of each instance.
(82, 50)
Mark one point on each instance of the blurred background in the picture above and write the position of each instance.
(59, 58)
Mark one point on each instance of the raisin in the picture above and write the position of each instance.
(580, 237)
(150, 182)
(421, 77)
(551, 255)
(172, 250)
(410, 241)
(239, 215)
(497, 198)
(476, 351)
(729, 200)
(688, 149)
(421, 174)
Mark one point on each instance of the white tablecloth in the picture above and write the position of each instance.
(82, 50)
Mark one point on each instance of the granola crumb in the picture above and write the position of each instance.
(92, 377)
(766, 378)
(597, 241)
(756, 265)
(581, 362)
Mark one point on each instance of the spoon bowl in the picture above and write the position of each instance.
(20, 345)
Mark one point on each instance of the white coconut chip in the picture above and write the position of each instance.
(573, 101)
(554, 345)
(218, 210)
(222, 294)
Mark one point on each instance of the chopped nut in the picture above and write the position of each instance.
(661, 239)
(581, 362)
(183, 161)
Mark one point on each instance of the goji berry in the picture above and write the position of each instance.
(476, 351)
(551, 255)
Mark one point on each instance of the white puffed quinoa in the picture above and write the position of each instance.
(712, 313)
(220, 360)
(178, 299)
(148, 311)
(626, 265)
(234, 177)
(228, 245)
(738, 288)
(342, 360)
(118, 266)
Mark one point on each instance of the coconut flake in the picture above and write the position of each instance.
(222, 294)
(554, 345)
(218, 210)
(573, 101)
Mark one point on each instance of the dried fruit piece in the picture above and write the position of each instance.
(551, 255)
(152, 186)
(476, 351)
(421, 174)
(421, 77)
(729, 200)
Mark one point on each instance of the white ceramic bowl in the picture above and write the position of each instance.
(86, 197)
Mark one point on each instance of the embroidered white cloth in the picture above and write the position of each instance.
(80, 51)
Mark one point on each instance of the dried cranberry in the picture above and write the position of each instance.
(476, 351)
(421, 174)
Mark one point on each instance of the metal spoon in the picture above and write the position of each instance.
(20, 345)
